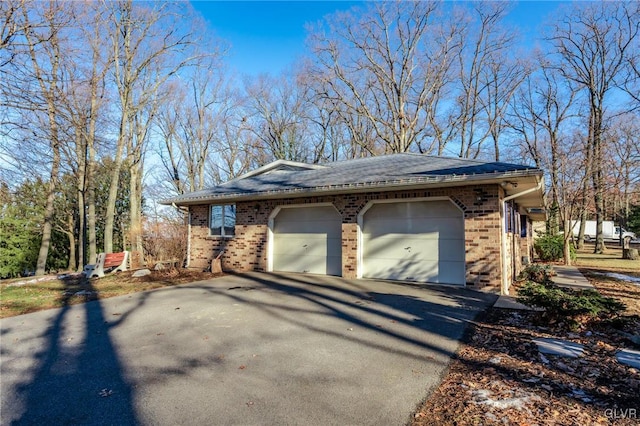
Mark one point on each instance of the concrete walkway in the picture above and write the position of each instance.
(571, 277)
(565, 276)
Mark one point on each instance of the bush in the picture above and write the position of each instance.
(563, 304)
(536, 273)
(551, 248)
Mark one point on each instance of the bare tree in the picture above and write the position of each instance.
(35, 88)
(571, 178)
(503, 77)
(632, 82)
(593, 43)
(541, 113)
(236, 152)
(147, 50)
(83, 105)
(622, 154)
(101, 61)
(386, 65)
(487, 78)
(10, 27)
(276, 116)
(190, 122)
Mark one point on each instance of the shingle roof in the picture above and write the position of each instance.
(396, 170)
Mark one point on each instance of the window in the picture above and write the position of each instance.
(508, 217)
(524, 226)
(511, 218)
(222, 220)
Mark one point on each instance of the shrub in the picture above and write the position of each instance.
(551, 248)
(563, 304)
(537, 273)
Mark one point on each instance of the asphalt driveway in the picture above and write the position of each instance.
(246, 349)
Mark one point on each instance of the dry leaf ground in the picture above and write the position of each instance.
(499, 377)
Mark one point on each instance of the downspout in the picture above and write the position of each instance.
(188, 239)
(504, 290)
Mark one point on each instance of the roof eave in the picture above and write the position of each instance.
(434, 181)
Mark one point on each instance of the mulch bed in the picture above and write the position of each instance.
(500, 378)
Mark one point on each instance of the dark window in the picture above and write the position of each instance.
(508, 217)
(524, 226)
(222, 220)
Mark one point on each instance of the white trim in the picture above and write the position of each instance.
(189, 239)
(371, 203)
(271, 221)
(504, 283)
(275, 165)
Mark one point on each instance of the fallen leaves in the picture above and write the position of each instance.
(499, 377)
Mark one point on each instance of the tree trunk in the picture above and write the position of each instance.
(123, 74)
(82, 231)
(91, 195)
(598, 179)
(113, 189)
(47, 78)
(135, 206)
(81, 179)
(47, 224)
(630, 254)
(567, 243)
(585, 191)
(71, 225)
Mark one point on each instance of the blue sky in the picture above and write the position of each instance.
(268, 36)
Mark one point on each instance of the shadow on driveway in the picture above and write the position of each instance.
(75, 376)
(253, 348)
(397, 310)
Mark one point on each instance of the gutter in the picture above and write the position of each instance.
(396, 184)
(504, 290)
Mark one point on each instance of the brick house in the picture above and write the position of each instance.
(405, 217)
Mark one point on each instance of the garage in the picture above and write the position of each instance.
(307, 239)
(418, 241)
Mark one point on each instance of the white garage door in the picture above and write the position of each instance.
(421, 241)
(308, 239)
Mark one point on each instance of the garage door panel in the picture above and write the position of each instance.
(307, 264)
(416, 210)
(305, 246)
(400, 248)
(415, 271)
(307, 214)
(424, 250)
(443, 226)
(322, 227)
(452, 250)
(423, 256)
(420, 241)
(307, 239)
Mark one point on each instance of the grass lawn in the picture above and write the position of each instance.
(611, 260)
(18, 297)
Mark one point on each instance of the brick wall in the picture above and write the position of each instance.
(248, 249)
